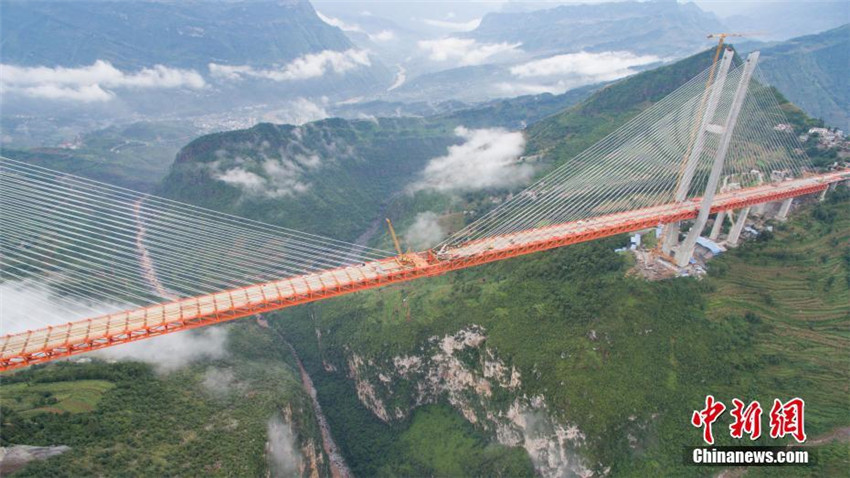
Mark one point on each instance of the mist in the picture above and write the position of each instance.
(284, 458)
(26, 305)
(488, 158)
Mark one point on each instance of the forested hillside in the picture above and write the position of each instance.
(569, 339)
(557, 363)
(813, 71)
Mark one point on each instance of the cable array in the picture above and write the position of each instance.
(89, 248)
(639, 165)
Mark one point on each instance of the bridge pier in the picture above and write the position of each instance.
(670, 237)
(738, 227)
(718, 225)
(784, 209)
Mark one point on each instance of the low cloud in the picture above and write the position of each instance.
(604, 66)
(336, 22)
(284, 458)
(220, 382)
(383, 35)
(172, 351)
(312, 65)
(94, 83)
(454, 26)
(465, 51)
(400, 78)
(28, 305)
(269, 177)
(425, 232)
(522, 88)
(488, 158)
(298, 112)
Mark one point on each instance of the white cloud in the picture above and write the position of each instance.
(336, 22)
(308, 66)
(425, 231)
(283, 452)
(603, 66)
(518, 89)
(454, 26)
(28, 305)
(298, 112)
(400, 78)
(94, 83)
(274, 178)
(383, 35)
(250, 182)
(172, 351)
(465, 51)
(487, 159)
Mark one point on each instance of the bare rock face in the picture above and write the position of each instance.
(462, 370)
(15, 457)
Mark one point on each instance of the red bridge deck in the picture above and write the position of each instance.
(50, 343)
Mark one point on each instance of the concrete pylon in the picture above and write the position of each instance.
(686, 249)
(718, 225)
(735, 233)
(671, 231)
(785, 209)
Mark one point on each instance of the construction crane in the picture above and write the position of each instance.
(402, 258)
(721, 40)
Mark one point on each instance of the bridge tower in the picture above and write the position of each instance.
(686, 249)
(715, 90)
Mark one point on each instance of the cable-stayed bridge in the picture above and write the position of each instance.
(93, 265)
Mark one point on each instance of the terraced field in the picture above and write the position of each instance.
(797, 287)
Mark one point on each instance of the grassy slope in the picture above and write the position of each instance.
(124, 418)
(660, 347)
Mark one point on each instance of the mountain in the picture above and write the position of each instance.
(664, 28)
(330, 177)
(553, 364)
(782, 20)
(568, 132)
(813, 71)
(76, 63)
(139, 34)
(555, 49)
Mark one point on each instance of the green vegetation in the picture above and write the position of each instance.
(439, 442)
(364, 164)
(57, 397)
(135, 156)
(209, 418)
(566, 134)
(814, 72)
(614, 355)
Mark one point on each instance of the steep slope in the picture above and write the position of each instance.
(663, 28)
(229, 415)
(173, 33)
(565, 134)
(330, 177)
(586, 368)
(813, 71)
